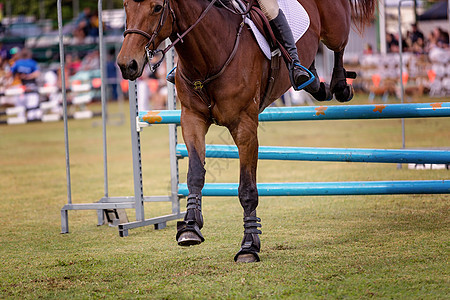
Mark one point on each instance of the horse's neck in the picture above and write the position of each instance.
(208, 45)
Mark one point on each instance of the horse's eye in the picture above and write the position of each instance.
(157, 9)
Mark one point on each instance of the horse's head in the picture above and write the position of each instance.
(148, 24)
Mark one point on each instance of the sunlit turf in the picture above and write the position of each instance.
(312, 247)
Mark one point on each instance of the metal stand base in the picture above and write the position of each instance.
(159, 222)
(109, 209)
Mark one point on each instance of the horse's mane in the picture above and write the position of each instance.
(362, 12)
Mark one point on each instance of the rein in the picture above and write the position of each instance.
(198, 85)
(151, 53)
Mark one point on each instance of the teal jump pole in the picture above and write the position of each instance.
(330, 154)
(338, 112)
(329, 188)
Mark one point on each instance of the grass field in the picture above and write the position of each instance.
(394, 247)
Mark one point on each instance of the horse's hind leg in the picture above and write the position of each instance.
(194, 130)
(245, 137)
(339, 87)
(319, 90)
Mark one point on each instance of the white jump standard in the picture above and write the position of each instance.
(108, 204)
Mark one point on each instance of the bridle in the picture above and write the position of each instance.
(151, 38)
(198, 85)
(162, 20)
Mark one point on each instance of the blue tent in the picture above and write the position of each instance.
(437, 11)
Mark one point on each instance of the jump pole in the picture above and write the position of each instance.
(419, 110)
(310, 113)
(107, 202)
(400, 156)
(329, 188)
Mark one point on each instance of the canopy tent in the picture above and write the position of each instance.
(438, 11)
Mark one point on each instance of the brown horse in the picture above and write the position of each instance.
(221, 78)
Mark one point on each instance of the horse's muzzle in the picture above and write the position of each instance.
(130, 69)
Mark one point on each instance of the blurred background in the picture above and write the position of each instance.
(30, 76)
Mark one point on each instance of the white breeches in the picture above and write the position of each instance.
(270, 8)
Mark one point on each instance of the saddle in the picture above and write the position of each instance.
(277, 50)
(259, 19)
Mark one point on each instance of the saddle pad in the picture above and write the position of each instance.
(297, 18)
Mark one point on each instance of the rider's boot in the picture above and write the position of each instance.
(299, 75)
(171, 76)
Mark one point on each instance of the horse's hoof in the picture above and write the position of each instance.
(189, 238)
(345, 95)
(246, 258)
(324, 93)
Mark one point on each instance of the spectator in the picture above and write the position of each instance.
(93, 25)
(111, 73)
(91, 61)
(442, 37)
(392, 43)
(13, 55)
(368, 49)
(418, 47)
(73, 64)
(415, 34)
(69, 69)
(3, 52)
(27, 70)
(83, 25)
(5, 80)
(436, 50)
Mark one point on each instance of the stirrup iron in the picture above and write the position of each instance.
(305, 84)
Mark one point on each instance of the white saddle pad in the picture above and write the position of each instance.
(297, 18)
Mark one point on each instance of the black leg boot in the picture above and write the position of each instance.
(299, 75)
(251, 243)
(188, 231)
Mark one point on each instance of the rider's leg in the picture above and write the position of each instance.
(299, 76)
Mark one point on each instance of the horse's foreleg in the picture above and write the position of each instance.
(339, 87)
(194, 129)
(245, 137)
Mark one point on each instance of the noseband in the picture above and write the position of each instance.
(162, 20)
(151, 38)
(198, 85)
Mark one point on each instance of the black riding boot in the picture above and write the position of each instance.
(298, 74)
(171, 76)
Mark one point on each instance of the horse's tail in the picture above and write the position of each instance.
(362, 12)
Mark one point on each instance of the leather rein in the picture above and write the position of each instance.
(162, 20)
(198, 85)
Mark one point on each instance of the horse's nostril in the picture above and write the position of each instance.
(133, 66)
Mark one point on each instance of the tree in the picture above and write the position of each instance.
(35, 7)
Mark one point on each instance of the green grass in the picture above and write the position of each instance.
(312, 247)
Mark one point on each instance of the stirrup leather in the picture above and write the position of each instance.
(250, 243)
(194, 219)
